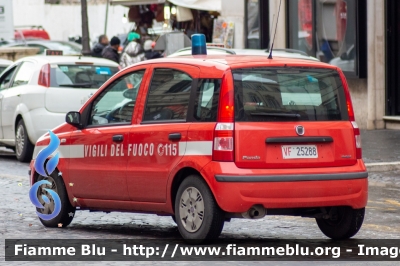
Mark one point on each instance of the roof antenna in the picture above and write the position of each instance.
(270, 30)
(276, 26)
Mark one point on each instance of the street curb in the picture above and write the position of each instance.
(383, 167)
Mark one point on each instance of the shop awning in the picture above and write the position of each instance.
(135, 2)
(208, 5)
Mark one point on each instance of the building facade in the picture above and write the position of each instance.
(362, 37)
(62, 18)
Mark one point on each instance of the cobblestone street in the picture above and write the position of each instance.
(18, 218)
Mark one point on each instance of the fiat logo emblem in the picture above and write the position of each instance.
(300, 130)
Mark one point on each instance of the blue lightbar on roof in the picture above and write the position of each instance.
(199, 44)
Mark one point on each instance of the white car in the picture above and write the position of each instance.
(36, 92)
(4, 64)
(289, 53)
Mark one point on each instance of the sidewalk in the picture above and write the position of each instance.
(381, 149)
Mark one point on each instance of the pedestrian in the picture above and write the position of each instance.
(148, 51)
(111, 51)
(99, 47)
(133, 51)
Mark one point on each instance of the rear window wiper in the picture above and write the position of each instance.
(276, 114)
(77, 85)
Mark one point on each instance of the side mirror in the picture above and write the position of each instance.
(344, 56)
(74, 119)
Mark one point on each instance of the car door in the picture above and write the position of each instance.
(12, 97)
(98, 171)
(5, 83)
(159, 142)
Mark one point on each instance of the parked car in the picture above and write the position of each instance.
(209, 138)
(4, 64)
(68, 48)
(37, 91)
(31, 32)
(288, 53)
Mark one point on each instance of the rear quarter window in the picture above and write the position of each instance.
(80, 76)
(289, 94)
(206, 101)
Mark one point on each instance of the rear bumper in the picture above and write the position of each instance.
(293, 177)
(237, 190)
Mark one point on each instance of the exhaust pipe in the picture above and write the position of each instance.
(255, 212)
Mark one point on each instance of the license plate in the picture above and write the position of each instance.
(299, 151)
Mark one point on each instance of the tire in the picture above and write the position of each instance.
(197, 214)
(67, 212)
(345, 223)
(23, 146)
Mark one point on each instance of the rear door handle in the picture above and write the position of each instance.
(174, 136)
(118, 138)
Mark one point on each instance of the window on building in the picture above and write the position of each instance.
(334, 31)
(257, 24)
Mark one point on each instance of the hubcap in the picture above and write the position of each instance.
(48, 206)
(20, 140)
(191, 209)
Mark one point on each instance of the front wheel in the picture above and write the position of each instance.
(67, 212)
(197, 214)
(343, 222)
(23, 146)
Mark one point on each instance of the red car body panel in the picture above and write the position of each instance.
(31, 33)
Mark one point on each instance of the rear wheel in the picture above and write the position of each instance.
(23, 146)
(343, 222)
(197, 214)
(67, 212)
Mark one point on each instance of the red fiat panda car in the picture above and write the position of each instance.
(209, 138)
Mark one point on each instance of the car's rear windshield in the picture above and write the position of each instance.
(288, 94)
(80, 76)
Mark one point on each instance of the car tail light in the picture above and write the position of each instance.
(223, 142)
(44, 76)
(223, 148)
(350, 110)
(226, 104)
(357, 137)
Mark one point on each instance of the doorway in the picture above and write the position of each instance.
(393, 57)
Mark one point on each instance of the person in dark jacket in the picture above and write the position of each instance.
(111, 51)
(99, 47)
